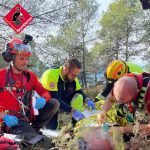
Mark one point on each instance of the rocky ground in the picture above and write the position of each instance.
(69, 136)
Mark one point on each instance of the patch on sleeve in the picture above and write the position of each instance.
(52, 85)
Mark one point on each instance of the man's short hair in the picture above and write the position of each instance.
(73, 63)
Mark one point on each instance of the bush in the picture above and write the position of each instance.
(93, 91)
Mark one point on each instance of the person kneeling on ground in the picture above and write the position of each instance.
(63, 85)
(16, 86)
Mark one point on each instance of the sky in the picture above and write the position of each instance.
(103, 7)
(104, 4)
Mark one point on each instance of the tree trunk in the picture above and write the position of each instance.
(126, 44)
(84, 69)
(95, 76)
(126, 53)
(117, 48)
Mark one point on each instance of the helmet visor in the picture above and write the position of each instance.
(22, 49)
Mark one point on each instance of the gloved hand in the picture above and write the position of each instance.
(40, 103)
(90, 104)
(77, 115)
(10, 120)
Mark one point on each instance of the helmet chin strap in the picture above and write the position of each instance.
(13, 63)
(17, 68)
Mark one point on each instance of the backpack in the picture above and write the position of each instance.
(8, 144)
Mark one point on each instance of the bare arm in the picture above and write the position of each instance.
(106, 107)
(108, 103)
(145, 128)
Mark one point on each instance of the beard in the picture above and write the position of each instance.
(18, 68)
(67, 79)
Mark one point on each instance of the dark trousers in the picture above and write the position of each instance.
(46, 114)
(53, 123)
(30, 131)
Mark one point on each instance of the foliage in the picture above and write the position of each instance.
(93, 91)
(66, 28)
(45, 14)
(118, 35)
(73, 34)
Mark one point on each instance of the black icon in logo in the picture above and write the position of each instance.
(17, 17)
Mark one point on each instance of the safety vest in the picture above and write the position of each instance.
(143, 81)
(128, 110)
(134, 68)
(139, 102)
(52, 80)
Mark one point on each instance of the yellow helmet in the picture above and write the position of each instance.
(116, 69)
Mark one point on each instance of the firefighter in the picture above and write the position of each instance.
(114, 71)
(16, 86)
(134, 92)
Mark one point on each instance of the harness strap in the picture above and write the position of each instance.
(1, 89)
(143, 90)
(143, 81)
(9, 87)
(13, 112)
(16, 113)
